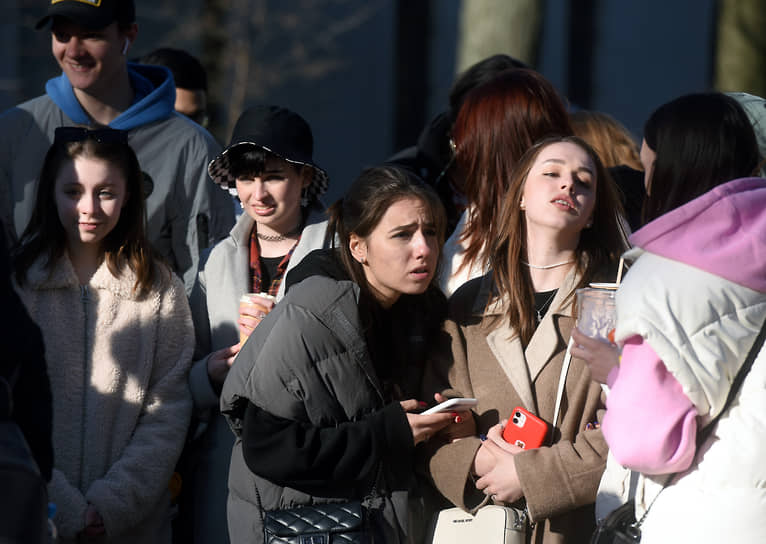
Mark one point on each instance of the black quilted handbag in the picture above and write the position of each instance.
(331, 523)
(619, 527)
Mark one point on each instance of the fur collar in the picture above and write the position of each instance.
(62, 276)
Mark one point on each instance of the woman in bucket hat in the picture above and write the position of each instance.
(268, 165)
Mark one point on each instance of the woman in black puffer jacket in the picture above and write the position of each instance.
(322, 395)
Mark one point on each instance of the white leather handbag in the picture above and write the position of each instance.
(492, 524)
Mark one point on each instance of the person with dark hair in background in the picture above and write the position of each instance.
(118, 341)
(497, 122)
(688, 311)
(694, 160)
(22, 364)
(432, 157)
(190, 79)
(98, 87)
(322, 395)
(269, 165)
(26, 401)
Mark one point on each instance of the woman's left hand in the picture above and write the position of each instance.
(502, 482)
(424, 426)
(600, 356)
(462, 425)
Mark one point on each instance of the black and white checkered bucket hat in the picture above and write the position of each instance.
(276, 130)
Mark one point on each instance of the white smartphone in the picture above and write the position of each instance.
(452, 405)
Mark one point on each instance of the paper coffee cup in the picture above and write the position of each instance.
(246, 301)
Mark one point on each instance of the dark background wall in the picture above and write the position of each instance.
(368, 74)
(627, 58)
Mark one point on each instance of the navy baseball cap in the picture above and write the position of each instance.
(92, 14)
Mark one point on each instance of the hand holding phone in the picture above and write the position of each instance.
(525, 429)
(453, 405)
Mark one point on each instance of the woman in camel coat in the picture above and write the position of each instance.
(507, 338)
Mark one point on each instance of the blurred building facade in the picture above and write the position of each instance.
(367, 74)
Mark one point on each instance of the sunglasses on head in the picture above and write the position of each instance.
(100, 135)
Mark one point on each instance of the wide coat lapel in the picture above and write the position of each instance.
(545, 342)
(523, 366)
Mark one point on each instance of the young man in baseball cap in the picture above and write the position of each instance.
(90, 40)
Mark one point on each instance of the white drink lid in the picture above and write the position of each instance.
(610, 286)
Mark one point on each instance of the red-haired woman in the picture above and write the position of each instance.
(496, 124)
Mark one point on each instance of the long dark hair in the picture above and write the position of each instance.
(701, 141)
(364, 205)
(126, 244)
(497, 123)
(398, 338)
(599, 246)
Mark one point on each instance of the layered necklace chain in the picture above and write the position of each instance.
(547, 266)
(544, 307)
(278, 237)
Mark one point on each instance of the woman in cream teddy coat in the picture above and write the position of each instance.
(118, 342)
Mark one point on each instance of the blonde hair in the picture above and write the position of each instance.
(612, 141)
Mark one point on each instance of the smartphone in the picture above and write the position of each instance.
(525, 429)
(452, 405)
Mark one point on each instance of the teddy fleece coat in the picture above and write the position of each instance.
(696, 294)
(118, 367)
(559, 481)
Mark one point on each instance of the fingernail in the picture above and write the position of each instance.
(482, 437)
(422, 403)
(458, 419)
(454, 414)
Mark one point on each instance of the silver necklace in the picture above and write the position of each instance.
(278, 237)
(547, 266)
(544, 308)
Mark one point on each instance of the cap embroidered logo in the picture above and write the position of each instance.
(94, 3)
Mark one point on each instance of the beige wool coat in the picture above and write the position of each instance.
(559, 481)
(118, 367)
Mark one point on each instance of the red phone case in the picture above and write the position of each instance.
(524, 429)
